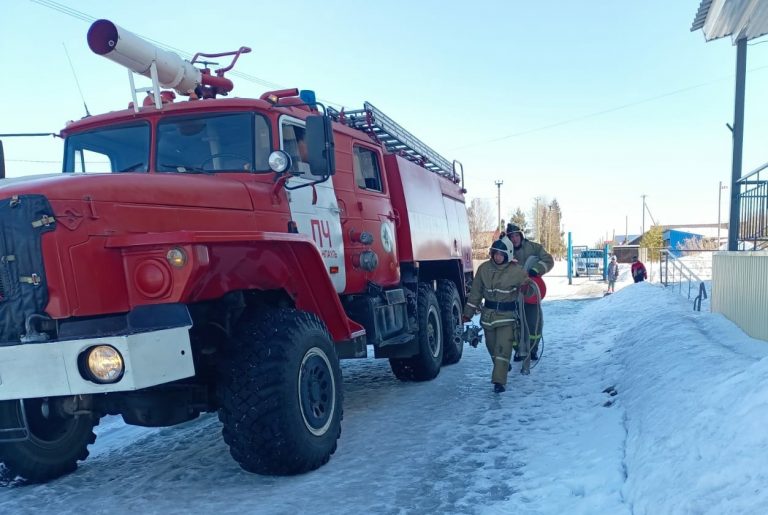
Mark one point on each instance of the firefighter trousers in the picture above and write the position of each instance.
(534, 324)
(500, 342)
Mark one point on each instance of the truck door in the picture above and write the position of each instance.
(315, 210)
(376, 213)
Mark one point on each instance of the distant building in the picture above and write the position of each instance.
(625, 253)
(672, 235)
(624, 239)
(673, 238)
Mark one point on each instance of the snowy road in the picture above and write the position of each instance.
(450, 445)
(555, 442)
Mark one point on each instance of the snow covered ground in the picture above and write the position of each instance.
(639, 405)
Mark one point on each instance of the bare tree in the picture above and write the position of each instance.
(555, 241)
(480, 216)
(546, 217)
(538, 218)
(481, 225)
(695, 243)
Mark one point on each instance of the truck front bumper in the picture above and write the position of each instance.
(51, 369)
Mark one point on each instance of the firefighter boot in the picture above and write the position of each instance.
(535, 352)
(498, 387)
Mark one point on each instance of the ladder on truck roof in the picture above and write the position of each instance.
(395, 138)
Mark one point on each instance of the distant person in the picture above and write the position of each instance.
(296, 147)
(301, 145)
(638, 270)
(613, 274)
(498, 281)
(537, 262)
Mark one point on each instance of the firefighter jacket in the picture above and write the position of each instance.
(544, 261)
(498, 285)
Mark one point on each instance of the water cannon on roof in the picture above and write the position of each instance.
(164, 68)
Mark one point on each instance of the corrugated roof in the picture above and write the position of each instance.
(736, 18)
(701, 15)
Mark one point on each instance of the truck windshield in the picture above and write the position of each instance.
(108, 150)
(220, 142)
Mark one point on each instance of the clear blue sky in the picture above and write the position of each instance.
(591, 103)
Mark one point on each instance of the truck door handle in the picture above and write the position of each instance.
(393, 216)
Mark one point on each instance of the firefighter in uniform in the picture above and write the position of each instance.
(498, 281)
(537, 262)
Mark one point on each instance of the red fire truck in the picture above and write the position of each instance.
(220, 254)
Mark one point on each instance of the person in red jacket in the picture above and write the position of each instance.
(638, 270)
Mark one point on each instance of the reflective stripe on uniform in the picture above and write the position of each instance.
(501, 358)
(486, 324)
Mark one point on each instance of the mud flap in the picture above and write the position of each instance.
(14, 429)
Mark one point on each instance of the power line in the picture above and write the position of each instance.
(182, 53)
(64, 9)
(32, 161)
(602, 112)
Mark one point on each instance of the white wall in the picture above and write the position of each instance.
(740, 290)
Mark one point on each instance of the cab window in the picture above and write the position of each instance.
(367, 169)
(292, 142)
(108, 150)
(223, 142)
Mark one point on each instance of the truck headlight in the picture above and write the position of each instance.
(102, 364)
(279, 161)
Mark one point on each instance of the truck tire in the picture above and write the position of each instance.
(426, 364)
(55, 444)
(280, 393)
(450, 312)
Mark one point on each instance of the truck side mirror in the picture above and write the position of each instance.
(320, 148)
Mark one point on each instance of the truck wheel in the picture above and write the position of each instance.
(450, 312)
(280, 393)
(55, 444)
(426, 364)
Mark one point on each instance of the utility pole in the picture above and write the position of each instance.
(536, 220)
(498, 204)
(641, 234)
(719, 194)
(738, 143)
(626, 229)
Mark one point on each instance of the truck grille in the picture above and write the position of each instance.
(23, 288)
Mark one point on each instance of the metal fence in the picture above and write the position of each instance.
(687, 274)
(753, 216)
